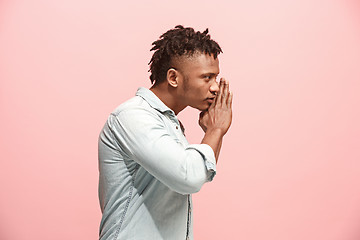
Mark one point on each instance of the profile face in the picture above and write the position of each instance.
(197, 80)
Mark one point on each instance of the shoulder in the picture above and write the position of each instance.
(135, 109)
(133, 103)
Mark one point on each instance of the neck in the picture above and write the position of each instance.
(167, 95)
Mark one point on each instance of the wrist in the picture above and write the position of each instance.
(215, 131)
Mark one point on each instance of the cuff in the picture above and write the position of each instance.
(209, 158)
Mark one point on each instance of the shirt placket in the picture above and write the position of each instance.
(180, 129)
(188, 219)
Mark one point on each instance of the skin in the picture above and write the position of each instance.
(192, 82)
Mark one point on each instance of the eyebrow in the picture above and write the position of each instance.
(210, 73)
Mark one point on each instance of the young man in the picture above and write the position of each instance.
(148, 170)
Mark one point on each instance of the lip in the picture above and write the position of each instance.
(210, 100)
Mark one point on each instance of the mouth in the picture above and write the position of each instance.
(210, 100)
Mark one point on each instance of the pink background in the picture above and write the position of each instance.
(290, 164)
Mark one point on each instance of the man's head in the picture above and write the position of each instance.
(177, 44)
(186, 61)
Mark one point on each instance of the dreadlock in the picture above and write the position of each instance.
(178, 42)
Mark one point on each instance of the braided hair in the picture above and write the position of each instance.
(179, 42)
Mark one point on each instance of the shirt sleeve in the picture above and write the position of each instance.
(143, 136)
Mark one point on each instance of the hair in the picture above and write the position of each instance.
(175, 43)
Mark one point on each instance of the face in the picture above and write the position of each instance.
(197, 85)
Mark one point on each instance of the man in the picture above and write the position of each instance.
(148, 170)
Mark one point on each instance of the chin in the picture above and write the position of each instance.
(202, 108)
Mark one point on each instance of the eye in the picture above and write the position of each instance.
(207, 77)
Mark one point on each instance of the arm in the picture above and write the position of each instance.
(144, 138)
(217, 119)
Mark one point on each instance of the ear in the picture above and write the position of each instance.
(172, 77)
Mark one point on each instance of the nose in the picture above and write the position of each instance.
(214, 88)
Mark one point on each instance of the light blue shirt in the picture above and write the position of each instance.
(148, 171)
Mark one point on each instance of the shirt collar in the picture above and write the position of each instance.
(153, 100)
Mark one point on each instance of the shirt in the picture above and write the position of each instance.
(148, 171)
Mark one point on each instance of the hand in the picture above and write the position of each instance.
(219, 114)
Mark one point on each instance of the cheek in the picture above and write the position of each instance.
(197, 88)
(206, 88)
(201, 92)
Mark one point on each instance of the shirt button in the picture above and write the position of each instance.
(177, 127)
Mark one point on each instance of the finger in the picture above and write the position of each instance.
(225, 92)
(211, 106)
(221, 89)
(229, 100)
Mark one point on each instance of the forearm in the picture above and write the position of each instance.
(213, 138)
(218, 151)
